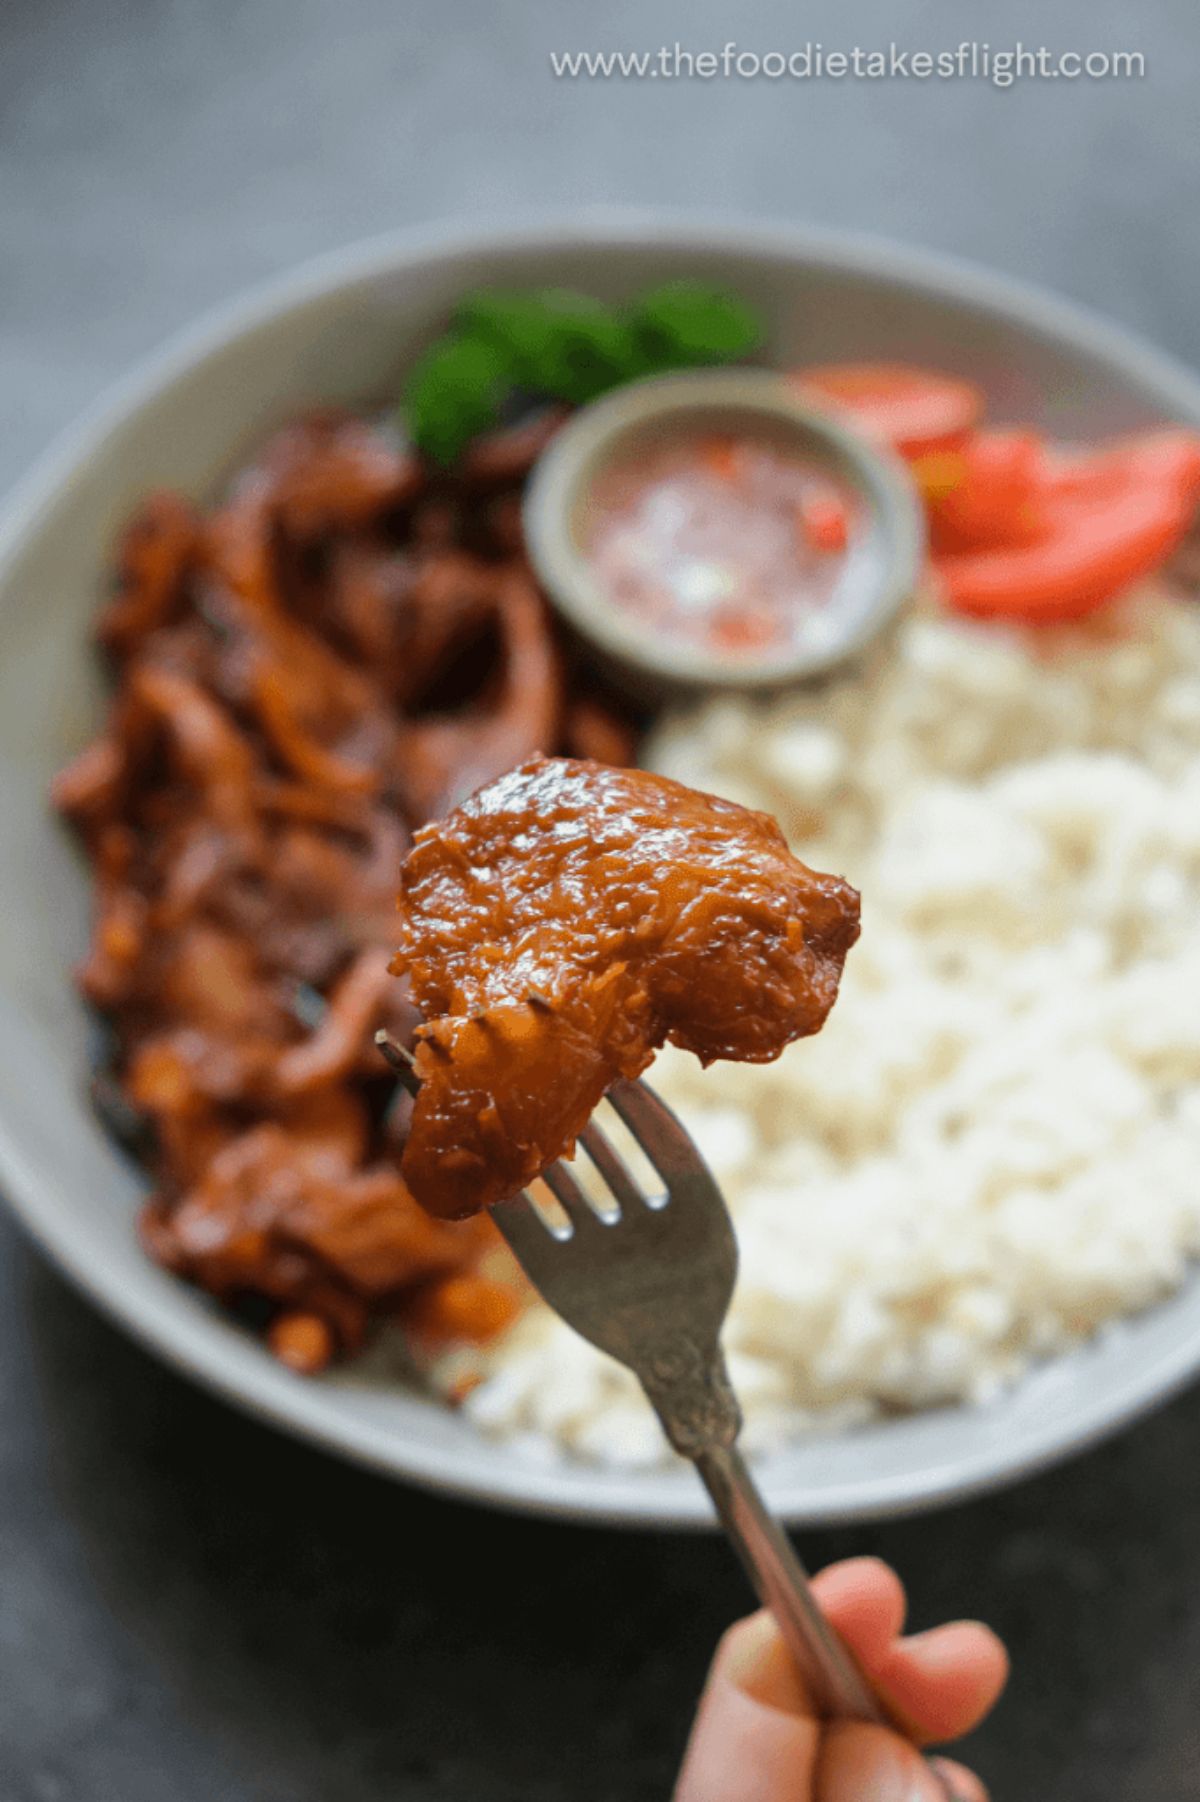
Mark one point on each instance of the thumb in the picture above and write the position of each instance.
(753, 1740)
(859, 1761)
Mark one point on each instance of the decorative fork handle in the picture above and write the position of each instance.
(690, 1391)
(837, 1686)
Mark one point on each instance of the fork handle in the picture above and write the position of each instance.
(838, 1688)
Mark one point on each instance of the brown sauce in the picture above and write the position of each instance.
(563, 924)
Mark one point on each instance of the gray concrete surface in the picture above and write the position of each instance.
(192, 1610)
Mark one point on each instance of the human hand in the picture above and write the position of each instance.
(756, 1738)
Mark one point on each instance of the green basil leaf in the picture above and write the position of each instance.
(454, 392)
(564, 346)
(684, 323)
(568, 346)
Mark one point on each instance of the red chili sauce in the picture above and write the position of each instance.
(732, 543)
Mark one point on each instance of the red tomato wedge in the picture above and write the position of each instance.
(1092, 548)
(1098, 522)
(989, 493)
(1019, 531)
(1170, 457)
(914, 410)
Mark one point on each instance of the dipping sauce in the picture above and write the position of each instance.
(735, 543)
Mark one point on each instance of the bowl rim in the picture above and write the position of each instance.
(188, 1344)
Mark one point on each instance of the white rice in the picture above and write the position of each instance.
(994, 1147)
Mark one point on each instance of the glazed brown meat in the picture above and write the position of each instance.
(564, 923)
(340, 649)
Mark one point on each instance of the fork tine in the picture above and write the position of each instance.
(567, 1192)
(609, 1163)
(663, 1139)
(531, 1237)
(400, 1059)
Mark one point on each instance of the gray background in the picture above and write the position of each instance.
(192, 1610)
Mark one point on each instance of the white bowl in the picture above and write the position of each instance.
(342, 329)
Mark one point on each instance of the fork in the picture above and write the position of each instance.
(648, 1279)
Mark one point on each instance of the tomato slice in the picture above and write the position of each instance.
(1170, 457)
(913, 410)
(1016, 531)
(990, 492)
(1092, 548)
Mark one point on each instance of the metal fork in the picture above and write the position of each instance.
(649, 1280)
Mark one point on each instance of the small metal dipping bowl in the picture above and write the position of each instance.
(880, 567)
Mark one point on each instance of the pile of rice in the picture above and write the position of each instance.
(993, 1149)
